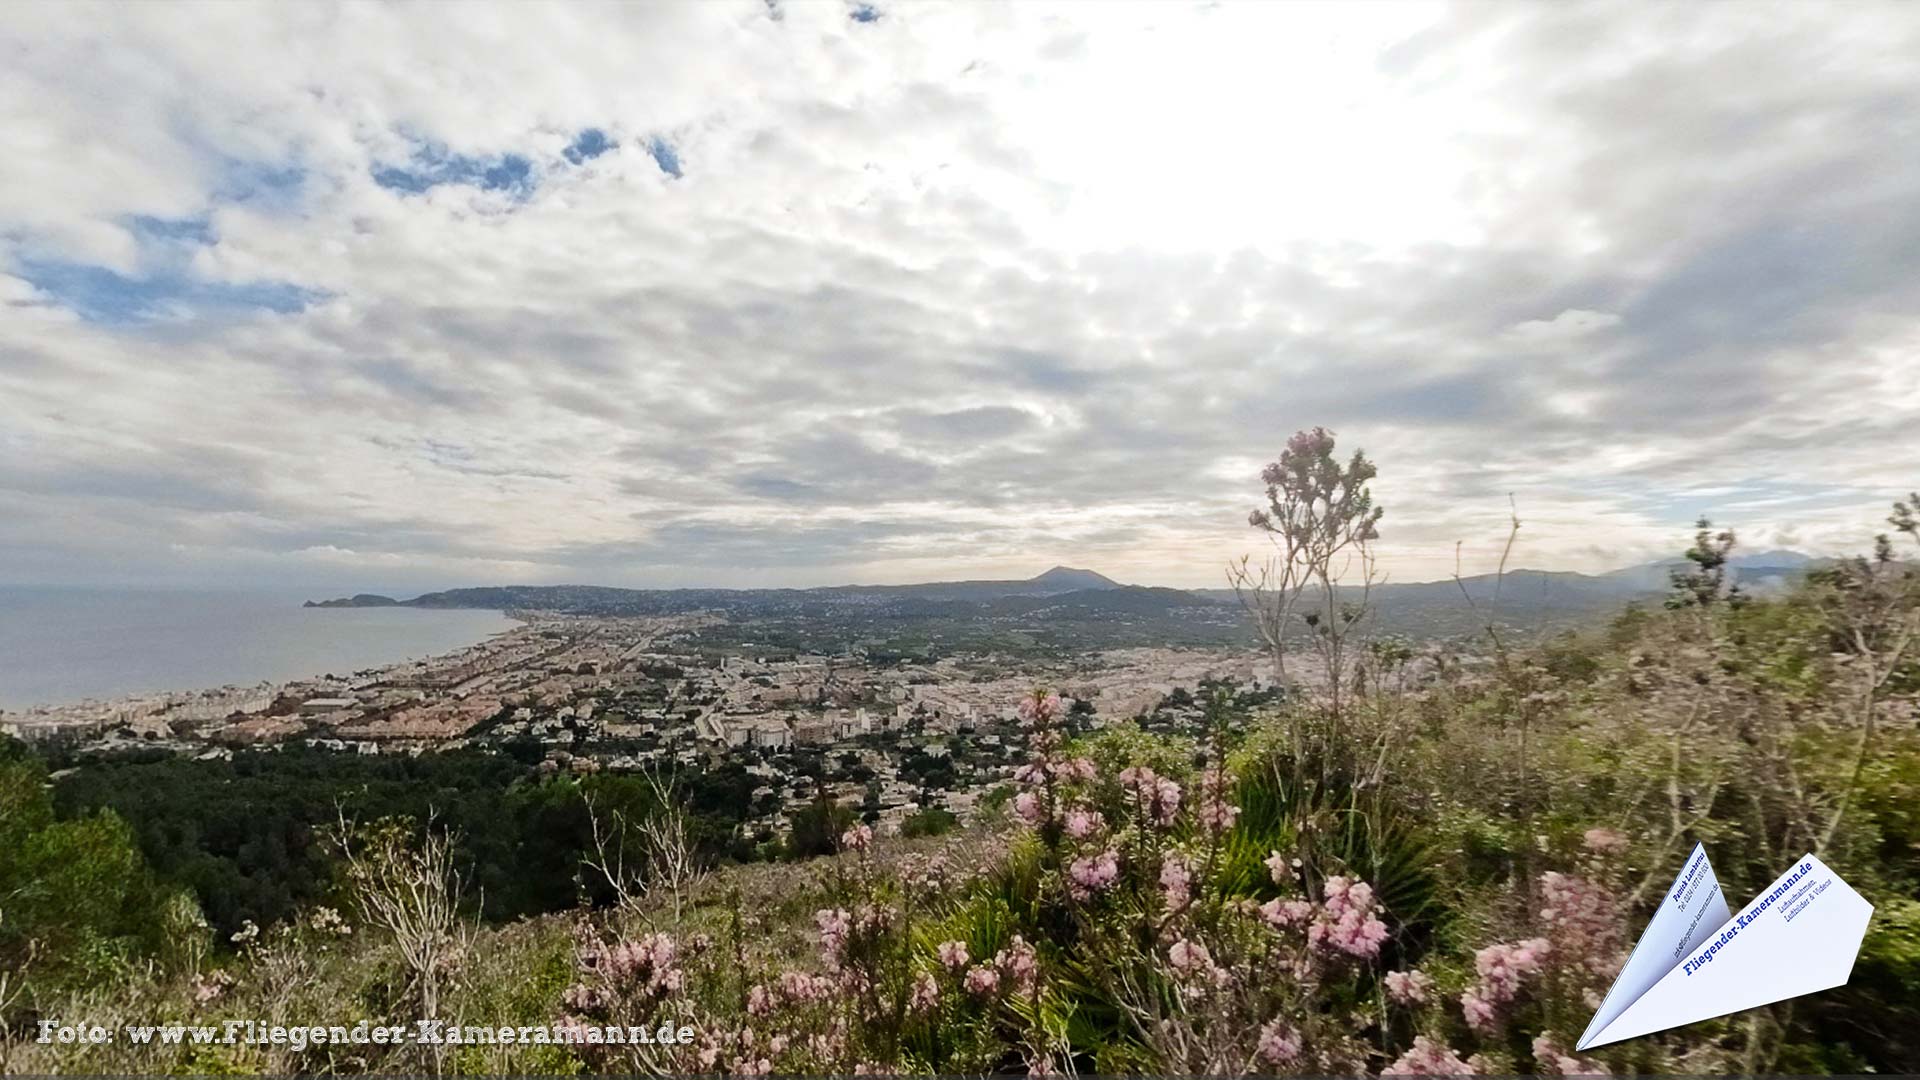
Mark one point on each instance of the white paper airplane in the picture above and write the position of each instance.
(1696, 960)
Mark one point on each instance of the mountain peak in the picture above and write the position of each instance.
(1074, 579)
(1776, 557)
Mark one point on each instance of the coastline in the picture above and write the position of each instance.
(72, 654)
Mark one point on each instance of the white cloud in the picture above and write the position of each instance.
(969, 289)
(1570, 325)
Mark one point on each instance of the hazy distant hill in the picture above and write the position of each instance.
(1062, 610)
(357, 600)
(1546, 599)
(1758, 569)
(1543, 599)
(927, 598)
(1065, 597)
(1071, 579)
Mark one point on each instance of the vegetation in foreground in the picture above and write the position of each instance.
(1421, 866)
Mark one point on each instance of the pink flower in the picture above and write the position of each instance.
(1092, 874)
(1188, 957)
(1026, 806)
(1501, 967)
(1019, 963)
(928, 872)
(583, 998)
(1083, 823)
(1281, 870)
(1279, 1043)
(1582, 918)
(1552, 1060)
(926, 994)
(1309, 444)
(1286, 912)
(759, 1001)
(1604, 841)
(1164, 806)
(1175, 882)
(1040, 709)
(1079, 769)
(646, 966)
(1216, 814)
(872, 918)
(982, 981)
(953, 954)
(858, 838)
(1349, 922)
(800, 988)
(835, 924)
(1159, 797)
(1429, 1058)
(1408, 987)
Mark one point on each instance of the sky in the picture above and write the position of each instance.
(755, 294)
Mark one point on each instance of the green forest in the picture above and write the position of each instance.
(245, 835)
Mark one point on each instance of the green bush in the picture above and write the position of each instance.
(76, 899)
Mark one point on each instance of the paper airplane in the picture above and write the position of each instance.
(1697, 960)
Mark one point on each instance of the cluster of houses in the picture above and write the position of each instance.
(624, 693)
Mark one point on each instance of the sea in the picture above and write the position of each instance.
(63, 645)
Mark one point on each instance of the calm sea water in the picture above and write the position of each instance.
(60, 645)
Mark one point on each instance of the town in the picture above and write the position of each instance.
(585, 693)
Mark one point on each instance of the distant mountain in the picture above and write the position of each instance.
(1113, 600)
(1765, 569)
(1545, 599)
(1777, 558)
(1060, 579)
(1076, 600)
(1070, 579)
(600, 599)
(1540, 599)
(358, 600)
(1062, 611)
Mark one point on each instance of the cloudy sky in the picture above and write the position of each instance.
(796, 293)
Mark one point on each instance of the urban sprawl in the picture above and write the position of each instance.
(630, 693)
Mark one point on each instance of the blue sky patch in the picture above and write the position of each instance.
(189, 230)
(589, 144)
(164, 287)
(259, 182)
(432, 165)
(664, 156)
(100, 295)
(864, 13)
